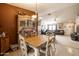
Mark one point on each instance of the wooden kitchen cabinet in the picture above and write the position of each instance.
(4, 45)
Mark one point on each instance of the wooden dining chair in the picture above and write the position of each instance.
(33, 33)
(26, 50)
(48, 48)
(51, 45)
(23, 45)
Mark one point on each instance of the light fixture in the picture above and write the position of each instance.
(34, 16)
(39, 18)
(49, 14)
(55, 19)
(36, 12)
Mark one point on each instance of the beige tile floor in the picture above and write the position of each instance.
(64, 47)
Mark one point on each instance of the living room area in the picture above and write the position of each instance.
(30, 20)
(65, 24)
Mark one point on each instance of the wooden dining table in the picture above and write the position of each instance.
(35, 42)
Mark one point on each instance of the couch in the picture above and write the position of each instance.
(59, 32)
(75, 36)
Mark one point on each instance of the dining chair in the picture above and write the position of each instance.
(26, 50)
(49, 46)
(34, 33)
(51, 43)
(23, 45)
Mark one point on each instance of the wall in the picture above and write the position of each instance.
(76, 23)
(8, 19)
(68, 28)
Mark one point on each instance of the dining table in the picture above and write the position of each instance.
(36, 42)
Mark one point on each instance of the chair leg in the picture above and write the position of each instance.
(46, 51)
(53, 49)
(36, 51)
(51, 52)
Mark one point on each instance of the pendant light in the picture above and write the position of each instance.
(36, 12)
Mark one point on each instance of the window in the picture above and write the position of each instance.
(52, 27)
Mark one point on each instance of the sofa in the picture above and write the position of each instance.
(75, 36)
(59, 32)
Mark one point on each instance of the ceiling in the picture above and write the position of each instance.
(65, 11)
(43, 7)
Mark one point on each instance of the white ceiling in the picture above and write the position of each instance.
(63, 10)
(43, 7)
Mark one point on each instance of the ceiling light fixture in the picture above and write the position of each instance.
(34, 16)
(36, 12)
(49, 14)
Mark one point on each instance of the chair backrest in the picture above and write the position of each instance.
(34, 33)
(51, 37)
(23, 45)
(50, 41)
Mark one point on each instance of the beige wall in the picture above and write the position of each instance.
(76, 22)
(68, 28)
